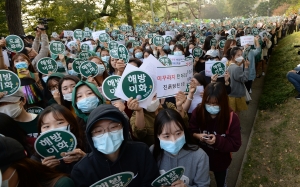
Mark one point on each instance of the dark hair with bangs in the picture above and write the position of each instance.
(163, 119)
(214, 91)
(63, 102)
(59, 110)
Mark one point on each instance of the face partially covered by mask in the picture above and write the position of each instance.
(13, 110)
(173, 147)
(153, 106)
(213, 110)
(88, 104)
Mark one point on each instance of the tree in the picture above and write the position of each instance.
(3, 23)
(128, 13)
(13, 15)
(263, 9)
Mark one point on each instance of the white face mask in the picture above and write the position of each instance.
(171, 47)
(101, 69)
(191, 50)
(153, 106)
(54, 91)
(12, 110)
(68, 97)
(45, 79)
(109, 142)
(239, 59)
(5, 182)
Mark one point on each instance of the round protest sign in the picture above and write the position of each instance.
(197, 52)
(123, 28)
(88, 68)
(57, 48)
(255, 31)
(78, 34)
(54, 143)
(113, 45)
(76, 64)
(87, 34)
(198, 35)
(85, 55)
(103, 37)
(14, 43)
(222, 44)
(85, 47)
(9, 82)
(165, 61)
(138, 84)
(119, 179)
(187, 35)
(109, 86)
(184, 44)
(202, 39)
(34, 110)
(123, 53)
(169, 177)
(158, 40)
(213, 42)
(121, 37)
(168, 39)
(136, 43)
(230, 37)
(114, 33)
(218, 68)
(46, 65)
(114, 53)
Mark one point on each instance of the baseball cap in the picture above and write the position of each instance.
(10, 151)
(212, 53)
(13, 98)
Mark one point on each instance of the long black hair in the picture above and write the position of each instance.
(164, 118)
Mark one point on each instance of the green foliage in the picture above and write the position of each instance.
(241, 7)
(3, 23)
(262, 9)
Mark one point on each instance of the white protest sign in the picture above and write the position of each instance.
(196, 99)
(170, 33)
(131, 38)
(176, 60)
(68, 33)
(208, 65)
(121, 42)
(247, 40)
(96, 34)
(170, 80)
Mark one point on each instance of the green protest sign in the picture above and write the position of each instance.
(187, 35)
(14, 43)
(168, 39)
(9, 82)
(123, 28)
(202, 39)
(233, 32)
(169, 177)
(76, 64)
(138, 84)
(88, 68)
(165, 61)
(78, 34)
(57, 48)
(104, 37)
(114, 53)
(85, 47)
(136, 43)
(246, 22)
(55, 143)
(114, 33)
(230, 37)
(109, 86)
(198, 35)
(158, 40)
(218, 68)
(119, 179)
(87, 34)
(150, 35)
(123, 53)
(222, 44)
(46, 65)
(255, 31)
(34, 110)
(184, 44)
(85, 55)
(113, 45)
(121, 37)
(197, 52)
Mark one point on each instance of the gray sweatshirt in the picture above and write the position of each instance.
(196, 165)
(237, 79)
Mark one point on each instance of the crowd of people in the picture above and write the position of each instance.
(118, 136)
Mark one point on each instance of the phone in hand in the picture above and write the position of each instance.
(206, 137)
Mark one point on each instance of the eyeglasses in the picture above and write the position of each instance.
(113, 128)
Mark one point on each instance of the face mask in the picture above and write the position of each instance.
(5, 183)
(173, 147)
(131, 50)
(212, 109)
(109, 142)
(152, 47)
(177, 53)
(166, 47)
(191, 50)
(12, 110)
(239, 59)
(54, 91)
(45, 79)
(68, 97)
(139, 55)
(171, 47)
(98, 54)
(105, 58)
(21, 65)
(88, 104)
(101, 69)
(66, 53)
(72, 72)
(155, 53)
(60, 64)
(147, 47)
(153, 106)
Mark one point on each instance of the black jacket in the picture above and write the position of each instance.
(134, 156)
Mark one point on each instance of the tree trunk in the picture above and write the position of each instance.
(13, 15)
(128, 13)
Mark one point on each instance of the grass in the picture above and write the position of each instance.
(277, 88)
(273, 157)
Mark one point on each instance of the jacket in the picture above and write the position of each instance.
(196, 164)
(251, 57)
(220, 152)
(237, 79)
(133, 156)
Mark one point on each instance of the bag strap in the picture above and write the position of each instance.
(230, 120)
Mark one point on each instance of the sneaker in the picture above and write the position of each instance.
(297, 97)
(263, 74)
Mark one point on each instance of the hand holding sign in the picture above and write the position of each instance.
(73, 156)
(133, 104)
(120, 66)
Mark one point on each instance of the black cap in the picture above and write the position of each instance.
(10, 151)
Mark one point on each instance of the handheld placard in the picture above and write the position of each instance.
(9, 82)
(169, 177)
(119, 179)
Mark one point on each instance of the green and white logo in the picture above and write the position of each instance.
(218, 68)
(213, 42)
(78, 34)
(222, 44)
(116, 180)
(85, 55)
(121, 37)
(113, 45)
(85, 47)
(168, 39)
(88, 68)
(169, 177)
(14, 43)
(109, 86)
(165, 61)
(197, 52)
(158, 40)
(9, 82)
(57, 48)
(76, 64)
(123, 53)
(46, 65)
(104, 37)
(34, 110)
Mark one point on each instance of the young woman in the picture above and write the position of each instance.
(173, 147)
(238, 77)
(112, 66)
(138, 53)
(217, 128)
(178, 50)
(229, 44)
(102, 70)
(147, 52)
(105, 57)
(59, 117)
(52, 86)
